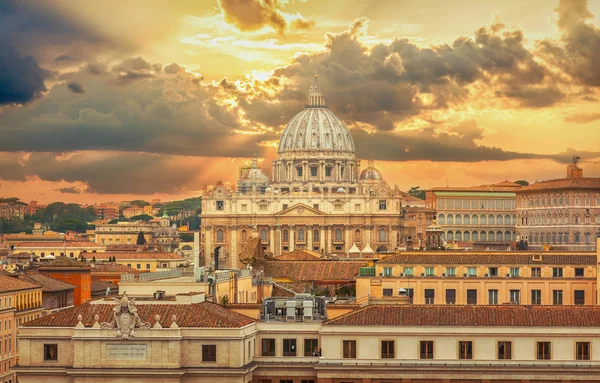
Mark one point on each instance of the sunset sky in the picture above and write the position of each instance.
(114, 100)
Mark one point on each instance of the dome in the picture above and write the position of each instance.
(316, 128)
(370, 173)
(254, 174)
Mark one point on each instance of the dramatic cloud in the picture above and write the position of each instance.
(250, 15)
(71, 190)
(75, 87)
(583, 118)
(21, 79)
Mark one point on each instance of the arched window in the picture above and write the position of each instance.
(498, 236)
(220, 235)
(459, 219)
(263, 235)
(587, 200)
(507, 236)
(547, 237)
(507, 219)
(535, 238)
(382, 235)
(475, 236)
(301, 235)
(244, 235)
(450, 236)
(499, 219)
(491, 236)
(514, 220)
(357, 235)
(315, 236)
(442, 219)
(450, 219)
(548, 202)
(475, 219)
(467, 236)
(577, 201)
(483, 236)
(286, 236)
(553, 237)
(483, 220)
(467, 219)
(338, 235)
(560, 237)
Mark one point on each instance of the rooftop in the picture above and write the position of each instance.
(204, 314)
(299, 255)
(471, 315)
(564, 183)
(490, 258)
(13, 284)
(504, 186)
(58, 244)
(64, 262)
(306, 271)
(47, 284)
(113, 268)
(138, 255)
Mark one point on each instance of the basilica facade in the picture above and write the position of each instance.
(318, 198)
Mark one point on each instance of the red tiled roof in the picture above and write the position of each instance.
(59, 244)
(63, 262)
(113, 268)
(489, 258)
(564, 183)
(101, 286)
(204, 314)
(126, 255)
(308, 271)
(13, 284)
(504, 186)
(47, 284)
(471, 315)
(299, 255)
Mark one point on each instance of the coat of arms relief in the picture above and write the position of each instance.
(125, 318)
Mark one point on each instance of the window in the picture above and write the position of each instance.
(387, 271)
(429, 296)
(301, 235)
(472, 271)
(50, 351)
(579, 271)
(514, 271)
(382, 235)
(382, 204)
(408, 271)
(451, 271)
(209, 352)
(465, 349)
(543, 350)
(220, 205)
(338, 235)
(579, 297)
(316, 235)
(557, 297)
(493, 271)
(536, 271)
(582, 350)
(268, 347)
(515, 296)
(388, 292)
(244, 207)
(148, 266)
(289, 347)
(536, 297)
(263, 235)
(311, 347)
(286, 236)
(349, 349)
(328, 171)
(220, 235)
(471, 297)
(357, 207)
(299, 171)
(557, 272)
(429, 271)
(387, 349)
(426, 349)
(504, 350)
(313, 171)
(492, 297)
(316, 206)
(450, 296)
(139, 266)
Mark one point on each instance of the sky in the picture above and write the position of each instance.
(116, 100)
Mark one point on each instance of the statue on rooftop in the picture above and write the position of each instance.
(125, 318)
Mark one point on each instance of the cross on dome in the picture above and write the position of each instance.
(316, 99)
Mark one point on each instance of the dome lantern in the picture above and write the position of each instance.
(316, 99)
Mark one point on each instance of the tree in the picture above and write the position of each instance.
(141, 217)
(416, 192)
(522, 182)
(224, 300)
(186, 237)
(139, 202)
(141, 240)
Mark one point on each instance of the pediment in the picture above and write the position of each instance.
(300, 209)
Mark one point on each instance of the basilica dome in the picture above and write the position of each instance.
(316, 129)
(371, 173)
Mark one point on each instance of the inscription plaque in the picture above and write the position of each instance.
(126, 351)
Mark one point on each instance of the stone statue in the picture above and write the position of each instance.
(125, 318)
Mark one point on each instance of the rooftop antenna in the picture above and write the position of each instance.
(576, 159)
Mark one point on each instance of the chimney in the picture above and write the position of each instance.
(197, 255)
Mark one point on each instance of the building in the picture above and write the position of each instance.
(144, 260)
(73, 272)
(101, 289)
(480, 216)
(562, 213)
(415, 221)
(494, 278)
(318, 198)
(133, 211)
(111, 272)
(205, 342)
(20, 302)
(12, 208)
(46, 236)
(157, 232)
(51, 249)
(107, 211)
(33, 207)
(56, 294)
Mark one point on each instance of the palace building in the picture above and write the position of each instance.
(318, 198)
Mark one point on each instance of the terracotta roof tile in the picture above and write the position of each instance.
(471, 315)
(308, 271)
(564, 183)
(204, 314)
(65, 262)
(113, 268)
(489, 258)
(299, 255)
(504, 186)
(14, 284)
(59, 244)
(47, 284)
(101, 286)
(127, 255)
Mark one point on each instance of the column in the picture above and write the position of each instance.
(272, 240)
(277, 245)
(291, 231)
(368, 229)
(328, 240)
(233, 261)
(309, 237)
(208, 245)
(347, 244)
(321, 238)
